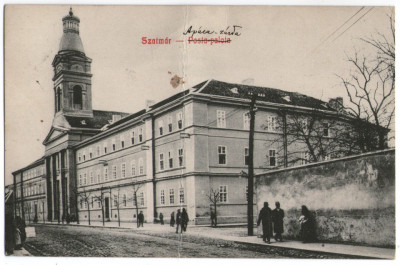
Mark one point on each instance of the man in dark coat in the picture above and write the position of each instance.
(161, 219)
(178, 220)
(265, 217)
(141, 218)
(172, 220)
(277, 217)
(184, 220)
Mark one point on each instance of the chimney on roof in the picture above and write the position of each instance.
(336, 103)
(248, 81)
(116, 117)
(150, 102)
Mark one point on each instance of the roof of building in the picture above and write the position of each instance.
(99, 120)
(71, 41)
(265, 94)
(34, 163)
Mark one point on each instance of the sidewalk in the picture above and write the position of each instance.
(20, 253)
(239, 234)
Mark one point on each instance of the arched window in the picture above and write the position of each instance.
(58, 100)
(77, 97)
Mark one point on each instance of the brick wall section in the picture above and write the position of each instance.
(353, 198)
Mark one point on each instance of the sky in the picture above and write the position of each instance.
(300, 49)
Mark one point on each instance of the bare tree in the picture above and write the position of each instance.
(306, 137)
(371, 87)
(135, 187)
(214, 197)
(85, 196)
(100, 198)
(118, 202)
(27, 208)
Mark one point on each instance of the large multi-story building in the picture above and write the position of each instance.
(109, 165)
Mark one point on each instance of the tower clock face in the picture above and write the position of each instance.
(59, 68)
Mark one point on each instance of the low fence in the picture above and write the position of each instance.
(353, 198)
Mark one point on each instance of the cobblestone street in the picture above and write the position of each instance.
(74, 241)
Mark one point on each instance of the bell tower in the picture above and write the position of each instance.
(72, 74)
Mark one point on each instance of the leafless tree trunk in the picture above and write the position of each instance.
(214, 198)
(371, 88)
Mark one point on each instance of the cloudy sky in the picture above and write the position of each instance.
(290, 48)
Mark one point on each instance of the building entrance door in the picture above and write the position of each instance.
(107, 207)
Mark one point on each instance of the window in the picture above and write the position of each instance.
(90, 153)
(114, 172)
(161, 161)
(169, 124)
(171, 196)
(84, 179)
(123, 170)
(133, 138)
(98, 203)
(98, 150)
(160, 127)
(305, 158)
(271, 123)
(84, 157)
(327, 157)
(272, 157)
(140, 135)
(141, 199)
(170, 160)
(246, 156)
(77, 97)
(106, 174)
(91, 177)
(124, 200)
(115, 200)
(105, 148)
(80, 180)
(221, 119)
(247, 193)
(179, 120)
(133, 168)
(222, 155)
(114, 147)
(180, 157)
(305, 126)
(223, 194)
(141, 168)
(98, 176)
(79, 157)
(162, 197)
(122, 139)
(81, 204)
(58, 96)
(326, 129)
(246, 121)
(92, 199)
(181, 195)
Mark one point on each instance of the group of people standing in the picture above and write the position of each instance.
(181, 219)
(270, 217)
(15, 233)
(272, 222)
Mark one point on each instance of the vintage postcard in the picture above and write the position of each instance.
(257, 132)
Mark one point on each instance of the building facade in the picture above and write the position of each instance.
(108, 166)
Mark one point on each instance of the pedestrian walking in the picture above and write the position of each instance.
(185, 220)
(277, 218)
(9, 233)
(307, 225)
(172, 220)
(20, 233)
(141, 218)
(213, 219)
(161, 219)
(178, 220)
(265, 217)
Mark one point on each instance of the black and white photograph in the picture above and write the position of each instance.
(199, 131)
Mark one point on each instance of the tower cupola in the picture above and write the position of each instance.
(71, 41)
